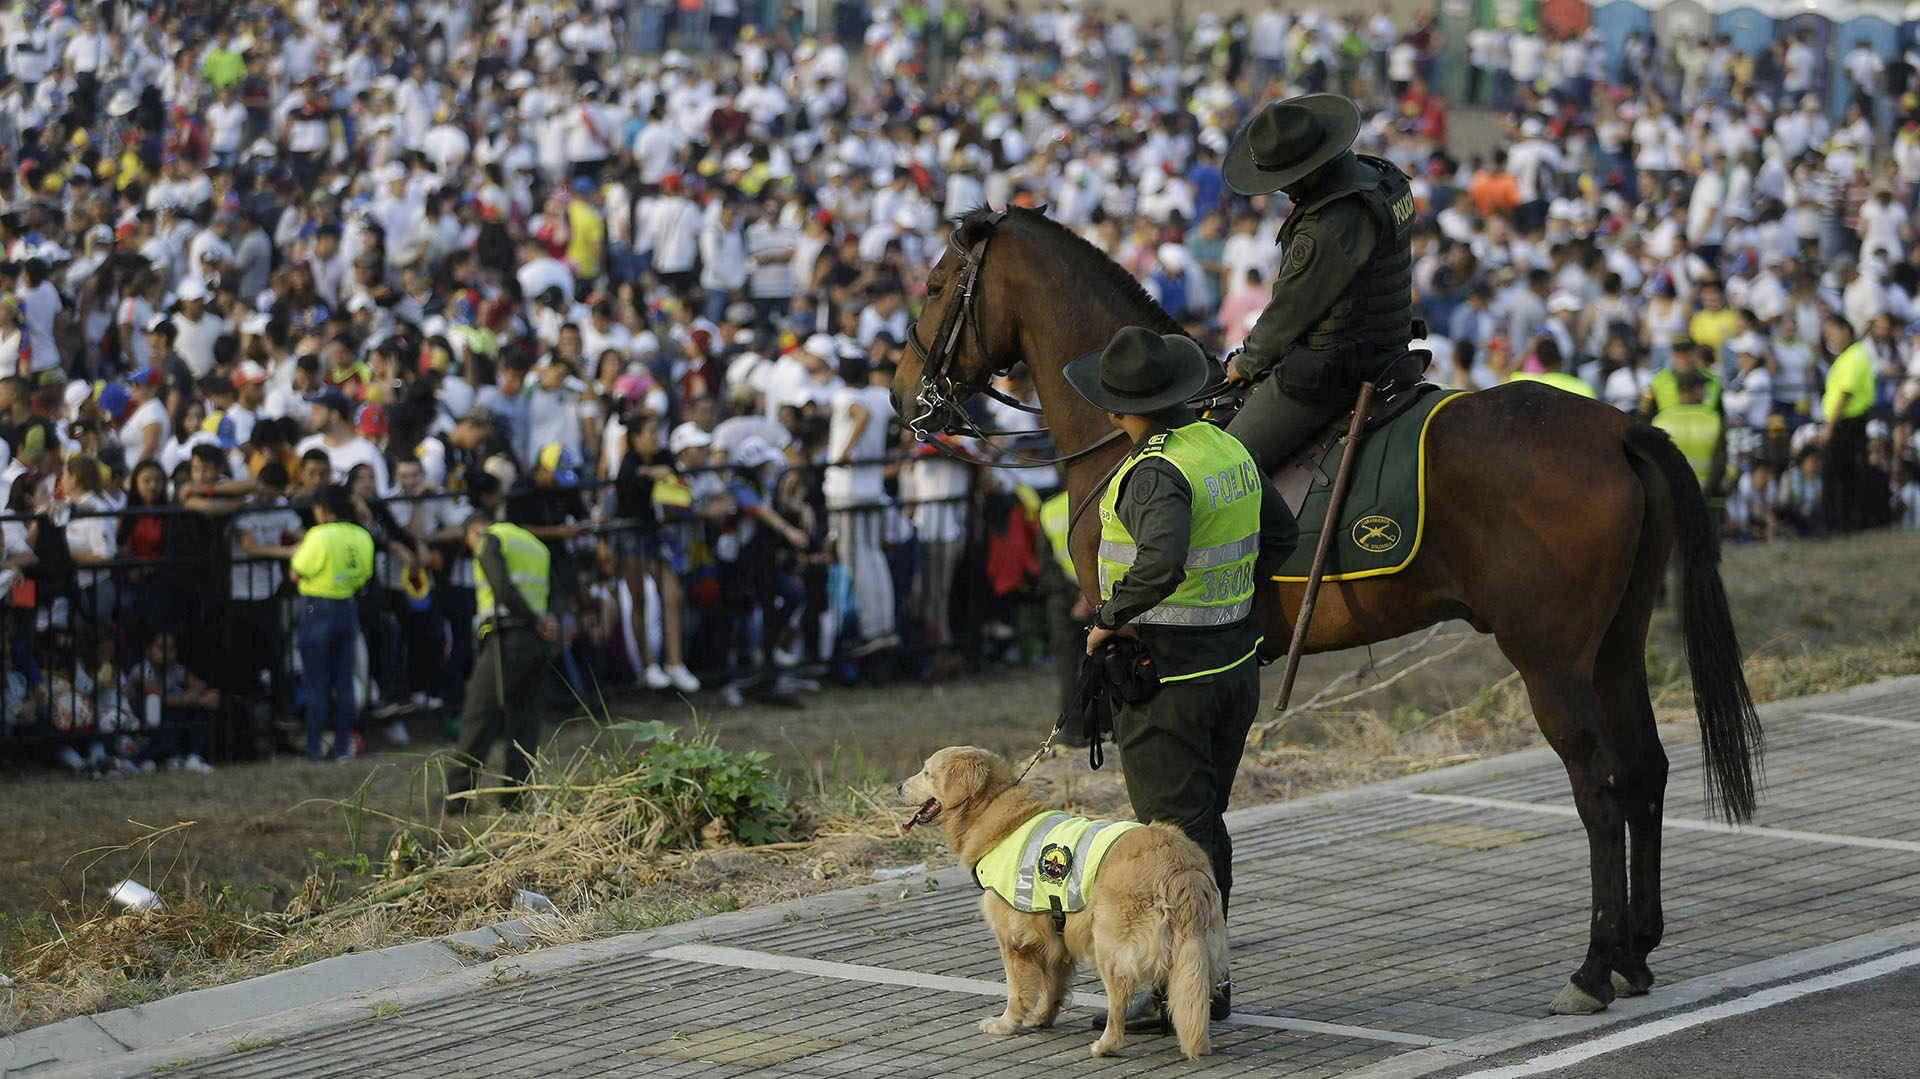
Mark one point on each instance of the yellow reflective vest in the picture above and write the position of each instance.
(1695, 429)
(1225, 537)
(1048, 863)
(1559, 379)
(333, 560)
(528, 561)
(1057, 522)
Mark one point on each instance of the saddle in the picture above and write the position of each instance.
(1395, 390)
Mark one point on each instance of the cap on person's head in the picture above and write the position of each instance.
(77, 394)
(33, 445)
(100, 234)
(114, 400)
(192, 288)
(555, 459)
(1563, 301)
(583, 185)
(49, 379)
(670, 182)
(688, 436)
(361, 302)
(332, 398)
(482, 416)
(821, 346)
(248, 371)
(372, 421)
(148, 376)
(256, 324)
(739, 312)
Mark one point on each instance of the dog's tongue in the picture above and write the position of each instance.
(928, 809)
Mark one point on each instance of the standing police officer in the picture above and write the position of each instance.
(1189, 528)
(505, 694)
(1342, 306)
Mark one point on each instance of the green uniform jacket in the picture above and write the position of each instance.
(1156, 504)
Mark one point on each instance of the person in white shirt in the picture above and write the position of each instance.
(855, 493)
(40, 305)
(340, 440)
(196, 327)
(723, 259)
(672, 224)
(226, 128)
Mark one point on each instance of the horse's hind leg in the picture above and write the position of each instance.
(1623, 683)
(1567, 707)
(1621, 672)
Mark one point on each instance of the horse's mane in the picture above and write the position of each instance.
(1101, 269)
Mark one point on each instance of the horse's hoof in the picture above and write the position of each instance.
(1574, 1000)
(1634, 983)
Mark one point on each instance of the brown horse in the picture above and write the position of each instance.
(1550, 519)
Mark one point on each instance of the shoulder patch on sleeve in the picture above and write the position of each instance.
(1299, 252)
(1142, 484)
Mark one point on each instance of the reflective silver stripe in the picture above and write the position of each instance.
(1030, 857)
(1080, 849)
(1197, 557)
(1171, 614)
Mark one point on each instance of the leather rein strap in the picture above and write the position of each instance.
(940, 391)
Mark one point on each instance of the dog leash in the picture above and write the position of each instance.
(1042, 751)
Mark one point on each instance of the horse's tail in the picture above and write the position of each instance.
(1730, 730)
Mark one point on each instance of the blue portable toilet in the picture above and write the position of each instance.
(1747, 24)
(1875, 24)
(1617, 20)
(1815, 17)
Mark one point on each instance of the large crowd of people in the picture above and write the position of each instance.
(637, 278)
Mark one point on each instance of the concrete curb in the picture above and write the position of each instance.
(338, 990)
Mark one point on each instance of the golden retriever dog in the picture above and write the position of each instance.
(1152, 916)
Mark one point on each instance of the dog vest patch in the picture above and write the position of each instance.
(1048, 863)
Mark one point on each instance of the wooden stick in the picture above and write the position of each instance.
(1336, 501)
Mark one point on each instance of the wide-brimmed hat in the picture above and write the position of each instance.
(122, 102)
(1288, 139)
(1140, 372)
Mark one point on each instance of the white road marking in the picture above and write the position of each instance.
(1689, 825)
(1864, 721)
(753, 960)
(1660, 1028)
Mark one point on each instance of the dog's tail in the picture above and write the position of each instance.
(1199, 960)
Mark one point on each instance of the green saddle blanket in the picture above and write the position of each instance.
(1386, 509)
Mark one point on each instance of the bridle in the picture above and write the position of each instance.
(941, 391)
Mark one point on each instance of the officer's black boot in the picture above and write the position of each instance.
(1148, 1014)
(1220, 1003)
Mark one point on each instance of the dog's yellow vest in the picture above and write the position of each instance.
(1047, 864)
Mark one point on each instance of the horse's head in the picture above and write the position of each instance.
(957, 345)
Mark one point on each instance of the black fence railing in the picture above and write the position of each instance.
(750, 585)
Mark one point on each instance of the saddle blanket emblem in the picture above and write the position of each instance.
(1376, 533)
(1056, 862)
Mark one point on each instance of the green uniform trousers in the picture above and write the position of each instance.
(1272, 424)
(1179, 753)
(506, 697)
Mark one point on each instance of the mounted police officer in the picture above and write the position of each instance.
(1189, 528)
(1342, 306)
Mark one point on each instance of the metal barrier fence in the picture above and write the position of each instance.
(91, 655)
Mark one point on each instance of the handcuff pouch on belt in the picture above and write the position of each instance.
(1120, 671)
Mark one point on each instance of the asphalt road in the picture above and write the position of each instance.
(1869, 1030)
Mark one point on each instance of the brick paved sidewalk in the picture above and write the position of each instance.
(1367, 924)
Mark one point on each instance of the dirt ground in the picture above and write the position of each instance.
(1810, 616)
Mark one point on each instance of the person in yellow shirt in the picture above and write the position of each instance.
(586, 230)
(1715, 323)
(1844, 406)
(333, 560)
